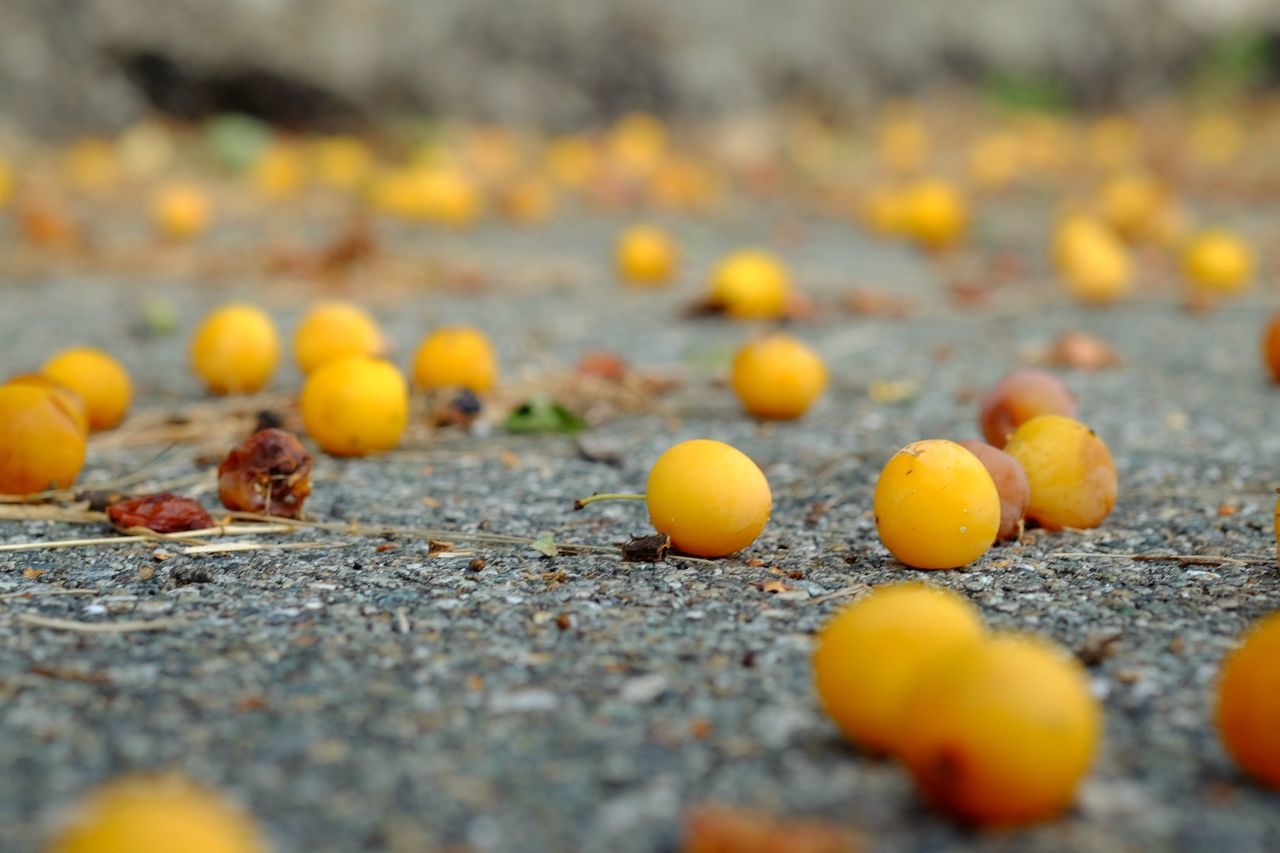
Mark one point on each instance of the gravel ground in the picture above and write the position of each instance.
(358, 698)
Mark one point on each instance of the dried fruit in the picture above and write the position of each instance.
(778, 377)
(871, 653)
(156, 814)
(936, 506)
(1011, 483)
(645, 255)
(720, 829)
(161, 513)
(42, 445)
(751, 284)
(1001, 731)
(236, 349)
(1019, 396)
(355, 405)
(333, 329)
(1071, 472)
(99, 380)
(268, 473)
(457, 357)
(1249, 702)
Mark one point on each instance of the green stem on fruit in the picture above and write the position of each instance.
(607, 496)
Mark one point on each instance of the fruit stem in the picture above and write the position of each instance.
(580, 503)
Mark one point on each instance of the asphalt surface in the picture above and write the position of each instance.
(357, 697)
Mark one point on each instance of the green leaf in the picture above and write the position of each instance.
(545, 544)
(541, 414)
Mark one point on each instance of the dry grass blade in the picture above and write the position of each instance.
(234, 547)
(32, 593)
(187, 536)
(127, 626)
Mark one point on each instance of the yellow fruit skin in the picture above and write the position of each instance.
(1093, 261)
(936, 214)
(180, 212)
(99, 380)
(645, 256)
(1071, 472)
(459, 357)
(936, 506)
(751, 284)
(1218, 261)
(1133, 205)
(709, 497)
(354, 406)
(1001, 732)
(1249, 702)
(777, 377)
(236, 349)
(332, 330)
(156, 814)
(68, 400)
(871, 654)
(41, 444)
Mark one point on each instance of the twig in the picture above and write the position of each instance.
(70, 674)
(232, 547)
(122, 627)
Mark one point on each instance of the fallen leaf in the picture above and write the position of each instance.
(545, 544)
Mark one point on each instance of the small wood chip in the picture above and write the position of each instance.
(647, 549)
(437, 546)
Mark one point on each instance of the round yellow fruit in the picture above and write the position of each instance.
(751, 284)
(456, 357)
(709, 497)
(936, 506)
(935, 214)
(872, 652)
(236, 349)
(156, 814)
(332, 330)
(68, 400)
(645, 255)
(1093, 261)
(98, 379)
(777, 377)
(1071, 472)
(1218, 261)
(180, 211)
(1002, 731)
(1249, 702)
(42, 445)
(355, 405)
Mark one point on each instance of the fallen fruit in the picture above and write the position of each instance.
(156, 814)
(1217, 261)
(236, 349)
(778, 377)
(267, 473)
(42, 445)
(1071, 472)
(871, 653)
(71, 401)
(99, 380)
(935, 214)
(331, 330)
(161, 513)
(180, 211)
(355, 405)
(719, 829)
(751, 284)
(936, 506)
(1011, 483)
(1249, 702)
(645, 255)
(1019, 396)
(457, 357)
(1001, 732)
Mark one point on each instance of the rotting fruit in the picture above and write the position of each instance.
(1271, 348)
(777, 377)
(936, 506)
(1011, 484)
(751, 284)
(268, 473)
(333, 329)
(1248, 705)
(1002, 731)
(1071, 472)
(156, 814)
(99, 380)
(871, 653)
(456, 357)
(709, 497)
(645, 255)
(42, 445)
(162, 513)
(355, 406)
(1019, 396)
(236, 349)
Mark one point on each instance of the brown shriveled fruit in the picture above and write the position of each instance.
(720, 829)
(269, 473)
(1011, 484)
(162, 513)
(1019, 396)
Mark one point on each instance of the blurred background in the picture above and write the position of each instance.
(71, 66)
